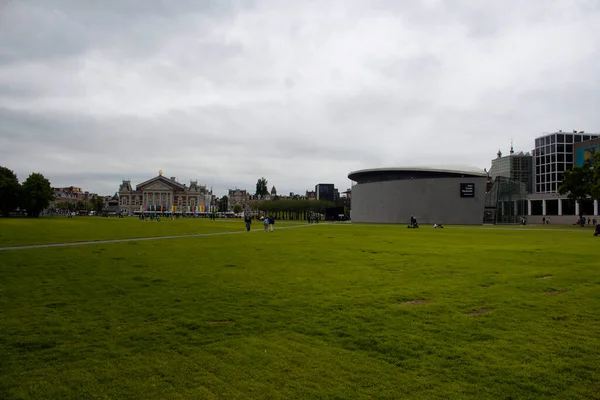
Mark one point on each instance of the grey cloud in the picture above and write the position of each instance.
(301, 93)
(54, 29)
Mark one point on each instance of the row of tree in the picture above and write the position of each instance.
(581, 183)
(34, 195)
(96, 204)
(290, 208)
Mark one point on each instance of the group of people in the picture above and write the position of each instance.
(268, 222)
(146, 217)
(415, 224)
(313, 219)
(590, 222)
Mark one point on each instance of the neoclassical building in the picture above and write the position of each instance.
(161, 194)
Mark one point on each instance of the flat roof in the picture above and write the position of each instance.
(398, 173)
(449, 169)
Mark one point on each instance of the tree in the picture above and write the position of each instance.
(595, 183)
(577, 182)
(224, 204)
(37, 194)
(261, 187)
(10, 190)
(98, 203)
(237, 209)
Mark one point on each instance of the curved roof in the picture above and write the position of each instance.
(399, 173)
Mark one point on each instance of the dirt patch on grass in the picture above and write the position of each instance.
(221, 322)
(554, 292)
(485, 286)
(480, 311)
(545, 277)
(414, 302)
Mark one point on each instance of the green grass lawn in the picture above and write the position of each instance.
(327, 311)
(24, 231)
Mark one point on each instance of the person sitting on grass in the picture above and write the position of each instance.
(437, 226)
(413, 222)
(597, 231)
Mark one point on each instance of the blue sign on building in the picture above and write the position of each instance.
(585, 154)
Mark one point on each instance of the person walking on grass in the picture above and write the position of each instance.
(271, 223)
(266, 223)
(248, 221)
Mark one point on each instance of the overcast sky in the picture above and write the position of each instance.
(300, 92)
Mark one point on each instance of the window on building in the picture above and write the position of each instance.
(560, 148)
(586, 137)
(568, 166)
(560, 167)
(568, 138)
(554, 186)
(569, 157)
(569, 148)
(560, 157)
(577, 138)
(560, 138)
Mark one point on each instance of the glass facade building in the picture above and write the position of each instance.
(518, 167)
(553, 155)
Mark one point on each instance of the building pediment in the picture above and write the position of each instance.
(157, 186)
(160, 183)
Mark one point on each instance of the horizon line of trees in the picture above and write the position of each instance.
(34, 195)
(290, 208)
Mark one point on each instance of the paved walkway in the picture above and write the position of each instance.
(42, 246)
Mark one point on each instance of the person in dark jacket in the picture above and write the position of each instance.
(597, 231)
(271, 223)
(248, 221)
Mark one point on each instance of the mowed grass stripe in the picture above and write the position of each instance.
(55, 230)
(361, 312)
(69, 244)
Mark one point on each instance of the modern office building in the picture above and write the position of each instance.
(327, 192)
(553, 155)
(515, 166)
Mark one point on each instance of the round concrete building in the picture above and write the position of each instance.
(432, 195)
